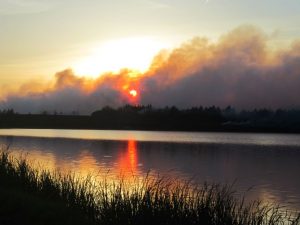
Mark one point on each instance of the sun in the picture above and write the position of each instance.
(133, 93)
(132, 53)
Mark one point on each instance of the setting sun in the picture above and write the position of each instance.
(133, 93)
(132, 53)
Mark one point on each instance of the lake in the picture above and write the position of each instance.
(263, 166)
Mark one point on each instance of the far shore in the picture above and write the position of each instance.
(147, 118)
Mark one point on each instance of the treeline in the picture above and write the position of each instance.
(140, 117)
(279, 120)
(168, 118)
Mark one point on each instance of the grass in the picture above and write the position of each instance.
(31, 196)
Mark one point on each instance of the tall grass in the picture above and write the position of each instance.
(31, 196)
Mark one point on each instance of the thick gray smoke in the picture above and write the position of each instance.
(240, 70)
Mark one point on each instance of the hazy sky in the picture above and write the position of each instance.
(39, 38)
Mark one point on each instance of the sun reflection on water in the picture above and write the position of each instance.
(124, 163)
(128, 161)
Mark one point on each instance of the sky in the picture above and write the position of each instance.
(42, 39)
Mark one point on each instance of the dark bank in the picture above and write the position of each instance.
(141, 117)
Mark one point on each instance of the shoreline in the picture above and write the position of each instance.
(216, 130)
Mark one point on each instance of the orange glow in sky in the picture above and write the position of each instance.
(114, 55)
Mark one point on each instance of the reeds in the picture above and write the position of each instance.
(42, 197)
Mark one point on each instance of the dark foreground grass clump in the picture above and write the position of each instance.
(30, 196)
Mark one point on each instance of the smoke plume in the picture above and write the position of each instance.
(240, 69)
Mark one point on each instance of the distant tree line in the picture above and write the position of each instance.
(168, 118)
(147, 117)
(275, 120)
(7, 112)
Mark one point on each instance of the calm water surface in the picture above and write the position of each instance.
(269, 164)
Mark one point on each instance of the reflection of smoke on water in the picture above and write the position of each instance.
(271, 171)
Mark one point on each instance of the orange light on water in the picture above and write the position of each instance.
(128, 160)
(133, 93)
(132, 154)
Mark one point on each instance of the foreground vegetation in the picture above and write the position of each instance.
(30, 196)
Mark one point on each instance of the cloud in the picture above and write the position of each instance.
(11, 7)
(240, 69)
(68, 93)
